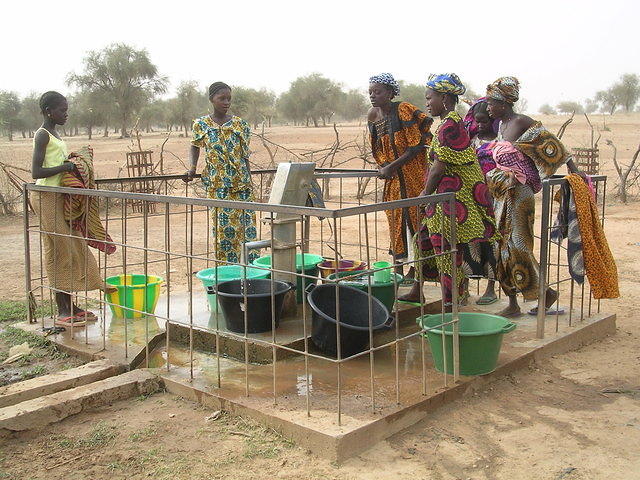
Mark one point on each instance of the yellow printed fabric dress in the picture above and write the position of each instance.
(226, 176)
(390, 137)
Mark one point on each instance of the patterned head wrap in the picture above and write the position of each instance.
(506, 89)
(446, 83)
(386, 79)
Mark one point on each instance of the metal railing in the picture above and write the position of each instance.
(175, 234)
(554, 271)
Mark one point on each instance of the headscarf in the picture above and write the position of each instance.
(506, 89)
(386, 79)
(446, 83)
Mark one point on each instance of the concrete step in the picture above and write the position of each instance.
(58, 382)
(38, 412)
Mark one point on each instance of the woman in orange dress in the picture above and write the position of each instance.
(399, 133)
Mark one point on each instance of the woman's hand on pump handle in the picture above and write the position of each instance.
(189, 175)
(387, 172)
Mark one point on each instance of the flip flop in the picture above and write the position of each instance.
(53, 330)
(71, 321)
(87, 315)
(408, 302)
(484, 300)
(550, 311)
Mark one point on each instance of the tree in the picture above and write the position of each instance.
(153, 114)
(313, 97)
(569, 107)
(87, 110)
(255, 106)
(625, 93)
(9, 112)
(30, 116)
(123, 73)
(187, 105)
(590, 105)
(353, 106)
(547, 109)
(608, 99)
(289, 108)
(413, 94)
(628, 91)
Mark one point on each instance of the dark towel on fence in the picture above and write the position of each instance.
(566, 226)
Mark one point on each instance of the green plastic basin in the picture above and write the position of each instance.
(311, 262)
(383, 291)
(480, 340)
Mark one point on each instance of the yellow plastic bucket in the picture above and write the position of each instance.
(136, 296)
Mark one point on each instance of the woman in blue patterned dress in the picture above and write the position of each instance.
(226, 175)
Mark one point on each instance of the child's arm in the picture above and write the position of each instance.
(40, 147)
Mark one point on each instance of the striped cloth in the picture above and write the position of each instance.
(81, 211)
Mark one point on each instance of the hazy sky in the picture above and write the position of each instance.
(560, 49)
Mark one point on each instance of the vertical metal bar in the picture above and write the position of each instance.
(27, 250)
(273, 320)
(51, 301)
(397, 323)
(558, 258)
(245, 283)
(124, 270)
(86, 267)
(103, 306)
(304, 324)
(217, 313)
(371, 351)
(167, 260)
(338, 345)
(419, 275)
(544, 250)
(189, 245)
(454, 291)
(145, 260)
(443, 293)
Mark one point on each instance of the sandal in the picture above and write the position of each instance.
(486, 300)
(72, 321)
(550, 311)
(87, 315)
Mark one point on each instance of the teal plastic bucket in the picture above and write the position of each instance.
(212, 276)
(311, 262)
(480, 340)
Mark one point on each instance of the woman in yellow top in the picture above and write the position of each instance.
(226, 175)
(69, 264)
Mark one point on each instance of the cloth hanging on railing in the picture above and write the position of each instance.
(81, 211)
(566, 226)
(599, 264)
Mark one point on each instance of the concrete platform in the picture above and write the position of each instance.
(406, 386)
(281, 404)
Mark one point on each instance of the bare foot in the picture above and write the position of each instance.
(510, 311)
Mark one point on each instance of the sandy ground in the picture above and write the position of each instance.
(551, 422)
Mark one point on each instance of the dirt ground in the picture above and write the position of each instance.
(575, 416)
